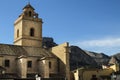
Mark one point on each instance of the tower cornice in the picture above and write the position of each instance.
(28, 18)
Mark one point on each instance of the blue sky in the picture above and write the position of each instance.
(93, 25)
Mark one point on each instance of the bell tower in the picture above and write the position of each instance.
(28, 28)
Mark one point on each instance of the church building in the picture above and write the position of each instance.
(27, 57)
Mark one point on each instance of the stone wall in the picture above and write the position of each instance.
(22, 67)
(44, 68)
(54, 66)
(12, 64)
(34, 68)
(62, 52)
(24, 24)
(1, 60)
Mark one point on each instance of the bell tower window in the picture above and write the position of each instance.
(50, 64)
(30, 13)
(32, 32)
(18, 33)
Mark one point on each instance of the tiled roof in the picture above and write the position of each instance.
(36, 51)
(6, 49)
(11, 50)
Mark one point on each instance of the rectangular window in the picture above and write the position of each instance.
(29, 64)
(7, 63)
(50, 65)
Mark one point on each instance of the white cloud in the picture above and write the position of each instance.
(108, 46)
(109, 42)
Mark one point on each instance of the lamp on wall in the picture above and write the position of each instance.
(114, 76)
(3, 72)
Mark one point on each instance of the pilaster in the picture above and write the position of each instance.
(22, 67)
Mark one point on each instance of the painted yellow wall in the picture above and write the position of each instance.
(115, 67)
(86, 74)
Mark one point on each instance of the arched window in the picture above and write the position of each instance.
(18, 33)
(32, 32)
(30, 13)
